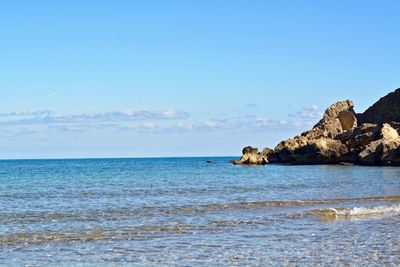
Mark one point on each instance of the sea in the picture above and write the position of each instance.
(196, 212)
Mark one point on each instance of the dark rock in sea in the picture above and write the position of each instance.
(341, 137)
(346, 163)
(209, 161)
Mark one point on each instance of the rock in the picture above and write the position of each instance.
(317, 146)
(341, 137)
(387, 109)
(357, 138)
(270, 155)
(249, 150)
(251, 156)
(267, 151)
(347, 120)
(317, 151)
(285, 150)
(385, 151)
(338, 118)
(391, 156)
(388, 133)
(381, 152)
(346, 163)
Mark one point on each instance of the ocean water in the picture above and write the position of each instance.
(185, 212)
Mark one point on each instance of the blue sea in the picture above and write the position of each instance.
(187, 212)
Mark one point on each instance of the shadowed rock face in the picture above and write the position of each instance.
(347, 120)
(384, 151)
(371, 138)
(387, 109)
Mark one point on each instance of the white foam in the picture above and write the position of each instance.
(360, 211)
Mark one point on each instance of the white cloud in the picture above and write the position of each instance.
(170, 113)
(185, 126)
(49, 117)
(312, 108)
(55, 93)
(312, 112)
(146, 121)
(26, 113)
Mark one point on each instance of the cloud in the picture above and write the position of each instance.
(55, 93)
(49, 117)
(26, 113)
(22, 123)
(149, 121)
(251, 105)
(312, 108)
(212, 124)
(264, 122)
(236, 124)
(312, 112)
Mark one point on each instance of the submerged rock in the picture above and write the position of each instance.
(341, 137)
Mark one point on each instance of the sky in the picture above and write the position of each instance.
(184, 78)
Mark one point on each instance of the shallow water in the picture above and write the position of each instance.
(183, 211)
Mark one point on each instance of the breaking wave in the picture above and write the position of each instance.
(357, 211)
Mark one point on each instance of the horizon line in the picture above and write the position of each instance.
(136, 157)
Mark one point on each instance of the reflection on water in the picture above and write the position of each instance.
(182, 211)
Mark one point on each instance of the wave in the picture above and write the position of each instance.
(297, 203)
(120, 213)
(356, 212)
(144, 232)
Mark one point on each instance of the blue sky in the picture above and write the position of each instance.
(184, 78)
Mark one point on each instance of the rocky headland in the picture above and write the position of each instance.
(341, 137)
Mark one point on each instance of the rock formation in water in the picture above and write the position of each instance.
(251, 156)
(341, 136)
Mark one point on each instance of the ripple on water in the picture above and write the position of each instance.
(184, 212)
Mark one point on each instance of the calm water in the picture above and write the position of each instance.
(183, 212)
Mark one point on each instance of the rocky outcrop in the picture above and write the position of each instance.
(385, 151)
(251, 156)
(387, 109)
(341, 136)
(337, 118)
(318, 145)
